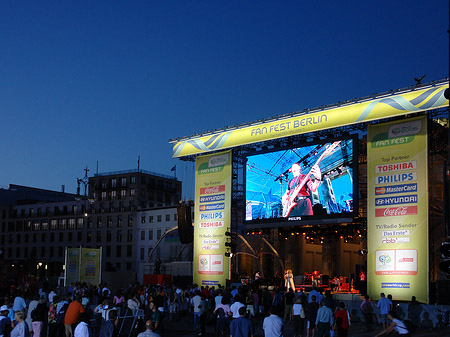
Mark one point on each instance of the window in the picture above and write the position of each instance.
(129, 250)
(167, 217)
(104, 184)
(74, 209)
(79, 236)
(114, 182)
(61, 237)
(26, 238)
(142, 235)
(123, 181)
(53, 224)
(80, 223)
(17, 252)
(52, 237)
(52, 251)
(18, 239)
(142, 254)
(142, 219)
(30, 212)
(149, 250)
(130, 221)
(150, 219)
(99, 222)
(60, 251)
(62, 223)
(128, 266)
(132, 192)
(36, 226)
(133, 180)
(159, 218)
(119, 236)
(123, 194)
(103, 195)
(119, 221)
(108, 236)
(150, 234)
(70, 236)
(109, 221)
(88, 237)
(118, 251)
(129, 235)
(158, 234)
(43, 251)
(113, 195)
(45, 225)
(99, 236)
(108, 251)
(71, 223)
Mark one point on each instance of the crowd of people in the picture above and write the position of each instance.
(82, 310)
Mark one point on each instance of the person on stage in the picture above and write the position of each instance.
(289, 280)
(303, 203)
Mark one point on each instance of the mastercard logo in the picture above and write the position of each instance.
(380, 190)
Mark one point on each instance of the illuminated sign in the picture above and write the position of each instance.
(393, 105)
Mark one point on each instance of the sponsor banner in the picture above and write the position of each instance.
(404, 199)
(90, 265)
(397, 210)
(395, 189)
(211, 207)
(72, 265)
(396, 178)
(394, 105)
(213, 195)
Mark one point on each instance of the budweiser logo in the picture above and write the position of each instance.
(395, 211)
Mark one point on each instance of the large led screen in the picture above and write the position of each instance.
(311, 184)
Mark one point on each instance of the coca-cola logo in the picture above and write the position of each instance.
(395, 211)
(212, 189)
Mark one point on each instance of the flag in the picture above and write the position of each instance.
(173, 168)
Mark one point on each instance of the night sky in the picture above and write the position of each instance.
(108, 81)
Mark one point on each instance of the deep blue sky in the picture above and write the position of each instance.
(88, 81)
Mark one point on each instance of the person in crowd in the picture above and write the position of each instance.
(108, 329)
(119, 299)
(315, 293)
(235, 306)
(414, 311)
(38, 317)
(426, 322)
(273, 325)
(72, 315)
(342, 320)
(298, 314)
(196, 304)
(223, 313)
(5, 322)
(396, 324)
(324, 320)
(133, 304)
(82, 329)
(311, 315)
(149, 327)
(385, 305)
(31, 306)
(21, 329)
(19, 302)
(51, 316)
(367, 311)
(156, 318)
(241, 327)
(289, 297)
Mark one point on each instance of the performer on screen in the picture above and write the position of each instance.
(296, 201)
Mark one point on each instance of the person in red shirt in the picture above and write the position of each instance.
(72, 317)
(342, 321)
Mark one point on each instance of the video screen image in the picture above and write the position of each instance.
(308, 182)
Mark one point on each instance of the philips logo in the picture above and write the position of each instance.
(405, 129)
(218, 160)
(211, 216)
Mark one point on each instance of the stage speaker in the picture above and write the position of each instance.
(185, 224)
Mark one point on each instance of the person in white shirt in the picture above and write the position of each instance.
(234, 308)
(273, 324)
(82, 329)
